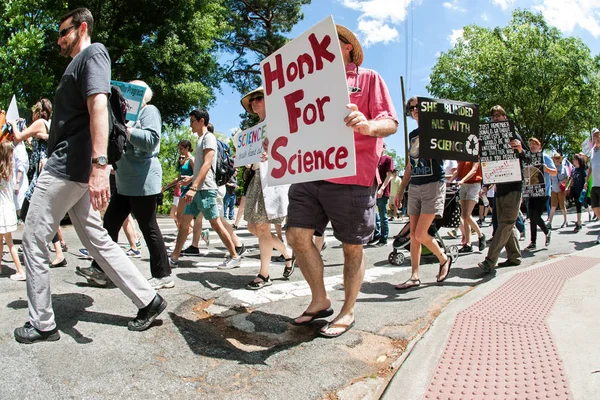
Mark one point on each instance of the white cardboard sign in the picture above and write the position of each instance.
(249, 144)
(12, 114)
(306, 94)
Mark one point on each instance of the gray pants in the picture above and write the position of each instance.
(507, 209)
(52, 199)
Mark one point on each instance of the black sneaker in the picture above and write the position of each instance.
(466, 249)
(482, 242)
(531, 246)
(548, 237)
(29, 335)
(374, 240)
(240, 250)
(148, 314)
(191, 251)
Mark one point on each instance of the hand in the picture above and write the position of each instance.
(380, 193)
(264, 156)
(189, 196)
(185, 180)
(99, 187)
(398, 201)
(357, 121)
(516, 145)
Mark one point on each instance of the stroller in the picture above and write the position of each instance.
(450, 219)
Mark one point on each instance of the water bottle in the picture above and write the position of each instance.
(583, 195)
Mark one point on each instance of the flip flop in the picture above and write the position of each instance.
(449, 262)
(313, 316)
(417, 283)
(346, 327)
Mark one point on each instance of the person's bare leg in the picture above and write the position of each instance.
(423, 237)
(224, 236)
(319, 241)
(130, 232)
(467, 217)
(173, 214)
(279, 231)
(240, 211)
(266, 242)
(59, 255)
(415, 248)
(236, 240)
(552, 212)
(184, 224)
(354, 274)
(564, 211)
(13, 252)
(197, 231)
(300, 240)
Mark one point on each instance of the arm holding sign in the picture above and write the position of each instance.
(376, 128)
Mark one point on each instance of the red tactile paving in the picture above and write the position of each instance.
(524, 300)
(501, 347)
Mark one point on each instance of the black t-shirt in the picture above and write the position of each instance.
(69, 142)
(423, 170)
(578, 176)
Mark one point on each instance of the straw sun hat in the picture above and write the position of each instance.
(246, 99)
(347, 36)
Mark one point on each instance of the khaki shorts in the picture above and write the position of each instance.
(470, 191)
(558, 198)
(427, 199)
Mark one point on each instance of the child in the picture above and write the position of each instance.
(8, 215)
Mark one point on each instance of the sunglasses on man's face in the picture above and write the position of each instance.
(65, 32)
(257, 98)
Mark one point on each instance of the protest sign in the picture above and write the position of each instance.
(306, 94)
(586, 147)
(534, 178)
(499, 163)
(448, 129)
(12, 114)
(134, 95)
(249, 144)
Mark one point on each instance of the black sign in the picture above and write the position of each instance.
(448, 129)
(533, 177)
(499, 162)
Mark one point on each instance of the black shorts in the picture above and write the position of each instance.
(350, 208)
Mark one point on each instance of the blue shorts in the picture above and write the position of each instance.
(205, 202)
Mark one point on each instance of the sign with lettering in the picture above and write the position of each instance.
(448, 129)
(249, 144)
(306, 94)
(533, 177)
(499, 162)
(134, 95)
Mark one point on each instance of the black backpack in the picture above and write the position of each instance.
(117, 128)
(225, 168)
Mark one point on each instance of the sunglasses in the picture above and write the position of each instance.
(65, 32)
(411, 108)
(257, 98)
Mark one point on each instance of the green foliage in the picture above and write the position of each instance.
(398, 160)
(170, 44)
(545, 82)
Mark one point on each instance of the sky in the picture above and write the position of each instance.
(405, 38)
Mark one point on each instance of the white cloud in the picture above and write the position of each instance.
(454, 5)
(379, 18)
(567, 15)
(484, 17)
(504, 4)
(455, 35)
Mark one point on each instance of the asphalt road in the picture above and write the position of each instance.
(218, 340)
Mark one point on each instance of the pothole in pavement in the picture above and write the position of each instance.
(251, 332)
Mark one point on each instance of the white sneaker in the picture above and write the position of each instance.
(162, 283)
(17, 277)
(230, 263)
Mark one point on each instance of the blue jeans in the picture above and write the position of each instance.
(382, 227)
(228, 204)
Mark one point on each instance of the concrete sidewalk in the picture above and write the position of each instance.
(530, 333)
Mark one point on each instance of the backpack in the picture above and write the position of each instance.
(225, 169)
(117, 128)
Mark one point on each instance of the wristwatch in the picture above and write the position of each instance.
(100, 160)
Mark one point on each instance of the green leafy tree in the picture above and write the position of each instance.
(541, 78)
(258, 30)
(398, 161)
(170, 44)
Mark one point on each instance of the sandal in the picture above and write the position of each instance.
(255, 285)
(334, 325)
(313, 316)
(409, 284)
(449, 262)
(288, 271)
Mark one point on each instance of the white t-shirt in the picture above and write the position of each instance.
(206, 141)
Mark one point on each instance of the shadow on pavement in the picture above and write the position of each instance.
(218, 337)
(70, 308)
(217, 280)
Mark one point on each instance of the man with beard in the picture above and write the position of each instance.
(75, 180)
